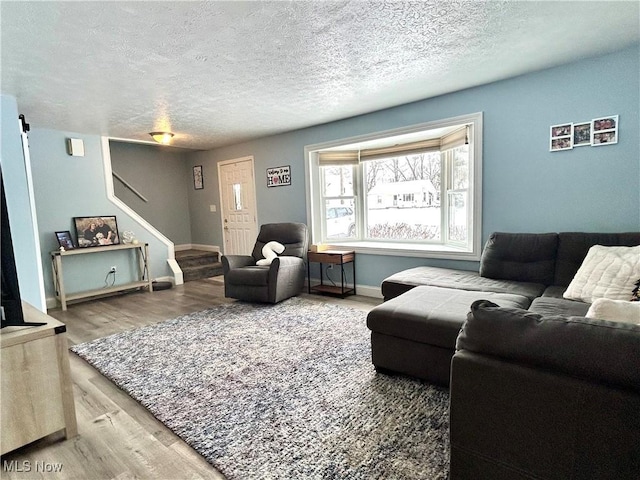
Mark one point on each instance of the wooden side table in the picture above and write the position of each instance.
(144, 276)
(333, 257)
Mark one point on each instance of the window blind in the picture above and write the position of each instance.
(455, 139)
(353, 157)
(339, 158)
(413, 148)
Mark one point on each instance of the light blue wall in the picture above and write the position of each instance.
(22, 223)
(526, 188)
(67, 187)
(161, 175)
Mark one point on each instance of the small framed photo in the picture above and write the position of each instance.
(582, 134)
(64, 240)
(198, 181)
(604, 131)
(96, 231)
(561, 137)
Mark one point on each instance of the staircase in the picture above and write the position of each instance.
(196, 264)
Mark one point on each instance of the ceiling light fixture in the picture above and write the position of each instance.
(162, 137)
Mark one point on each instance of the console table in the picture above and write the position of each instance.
(332, 257)
(37, 396)
(144, 277)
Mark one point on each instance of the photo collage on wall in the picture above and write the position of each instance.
(597, 132)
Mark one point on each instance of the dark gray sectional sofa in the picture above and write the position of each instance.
(414, 331)
(537, 391)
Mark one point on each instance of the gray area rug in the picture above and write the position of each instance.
(280, 392)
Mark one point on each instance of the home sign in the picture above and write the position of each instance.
(279, 176)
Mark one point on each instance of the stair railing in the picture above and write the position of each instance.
(129, 186)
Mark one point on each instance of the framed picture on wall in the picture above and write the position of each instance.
(582, 134)
(96, 231)
(561, 137)
(279, 176)
(604, 131)
(198, 181)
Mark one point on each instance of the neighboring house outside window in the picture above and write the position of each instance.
(383, 193)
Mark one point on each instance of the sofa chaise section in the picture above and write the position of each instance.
(415, 333)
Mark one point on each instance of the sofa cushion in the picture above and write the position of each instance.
(555, 291)
(432, 315)
(401, 282)
(558, 306)
(596, 350)
(573, 247)
(615, 310)
(606, 272)
(525, 257)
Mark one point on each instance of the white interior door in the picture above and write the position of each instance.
(238, 201)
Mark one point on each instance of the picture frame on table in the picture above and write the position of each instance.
(604, 131)
(561, 137)
(65, 240)
(98, 231)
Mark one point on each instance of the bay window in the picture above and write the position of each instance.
(414, 191)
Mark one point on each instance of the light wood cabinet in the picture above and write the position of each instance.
(37, 395)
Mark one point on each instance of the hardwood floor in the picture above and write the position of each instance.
(118, 438)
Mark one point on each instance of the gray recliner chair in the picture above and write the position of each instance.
(284, 278)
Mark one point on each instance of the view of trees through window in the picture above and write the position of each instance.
(402, 197)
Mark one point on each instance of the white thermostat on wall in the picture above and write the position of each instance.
(75, 147)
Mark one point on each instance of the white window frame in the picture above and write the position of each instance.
(447, 190)
(342, 196)
(445, 249)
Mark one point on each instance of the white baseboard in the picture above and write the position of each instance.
(51, 302)
(206, 248)
(368, 291)
(197, 246)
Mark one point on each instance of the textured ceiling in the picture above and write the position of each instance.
(216, 73)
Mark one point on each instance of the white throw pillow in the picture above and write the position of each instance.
(615, 310)
(269, 252)
(606, 272)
